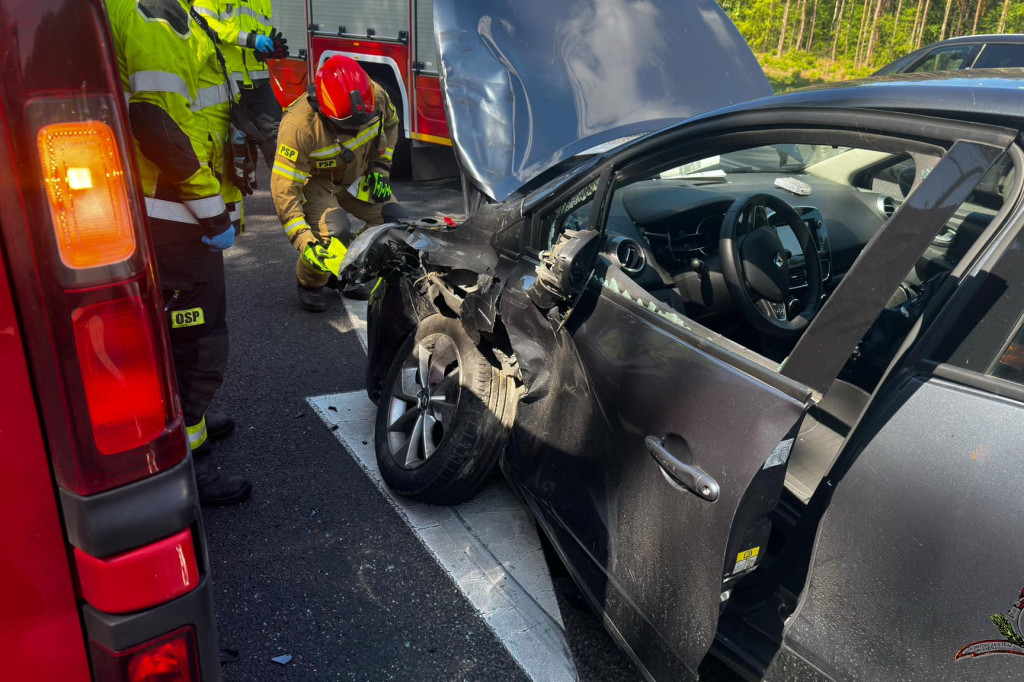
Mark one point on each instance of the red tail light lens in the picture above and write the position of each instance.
(117, 353)
(171, 658)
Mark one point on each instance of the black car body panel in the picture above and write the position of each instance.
(525, 87)
(620, 393)
(579, 452)
(912, 517)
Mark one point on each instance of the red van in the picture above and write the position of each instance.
(103, 566)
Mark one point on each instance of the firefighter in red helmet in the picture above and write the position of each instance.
(333, 158)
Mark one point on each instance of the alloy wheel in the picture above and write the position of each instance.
(424, 400)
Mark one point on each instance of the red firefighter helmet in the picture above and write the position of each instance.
(344, 92)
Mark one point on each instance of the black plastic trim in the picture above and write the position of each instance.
(132, 515)
(981, 382)
(120, 632)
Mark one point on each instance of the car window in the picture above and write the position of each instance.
(894, 177)
(1011, 363)
(944, 59)
(988, 336)
(1000, 56)
(662, 230)
(572, 214)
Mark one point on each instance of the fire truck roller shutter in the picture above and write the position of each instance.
(384, 75)
(290, 19)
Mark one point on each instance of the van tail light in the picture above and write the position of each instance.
(112, 413)
(85, 184)
(116, 353)
(170, 658)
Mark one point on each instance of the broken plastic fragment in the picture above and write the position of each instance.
(449, 222)
(283, 659)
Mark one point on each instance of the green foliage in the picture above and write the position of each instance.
(1006, 629)
(865, 36)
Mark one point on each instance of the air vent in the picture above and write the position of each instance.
(630, 256)
(797, 278)
(887, 205)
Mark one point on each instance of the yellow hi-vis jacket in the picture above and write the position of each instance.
(170, 74)
(307, 148)
(237, 23)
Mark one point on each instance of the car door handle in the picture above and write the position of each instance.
(691, 477)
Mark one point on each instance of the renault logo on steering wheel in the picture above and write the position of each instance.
(778, 260)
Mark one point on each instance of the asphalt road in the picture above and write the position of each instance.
(317, 565)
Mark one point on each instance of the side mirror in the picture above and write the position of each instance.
(564, 271)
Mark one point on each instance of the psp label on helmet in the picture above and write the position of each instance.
(193, 317)
(288, 153)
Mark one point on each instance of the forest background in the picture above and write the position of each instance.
(801, 42)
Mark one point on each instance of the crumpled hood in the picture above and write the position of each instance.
(529, 83)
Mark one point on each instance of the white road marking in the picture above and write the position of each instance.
(357, 318)
(489, 545)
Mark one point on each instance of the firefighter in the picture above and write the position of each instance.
(169, 73)
(247, 40)
(333, 157)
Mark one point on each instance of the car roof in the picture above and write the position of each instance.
(980, 38)
(987, 95)
(990, 96)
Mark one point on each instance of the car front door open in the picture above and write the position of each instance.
(654, 449)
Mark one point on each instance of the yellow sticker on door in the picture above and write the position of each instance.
(193, 317)
(745, 560)
(288, 153)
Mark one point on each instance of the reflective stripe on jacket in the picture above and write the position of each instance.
(308, 148)
(172, 81)
(237, 22)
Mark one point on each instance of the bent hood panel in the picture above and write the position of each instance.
(529, 83)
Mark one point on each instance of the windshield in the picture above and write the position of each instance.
(789, 158)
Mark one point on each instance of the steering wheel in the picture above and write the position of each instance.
(756, 265)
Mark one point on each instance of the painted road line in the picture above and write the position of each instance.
(357, 318)
(489, 546)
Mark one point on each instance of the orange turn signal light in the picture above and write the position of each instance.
(86, 187)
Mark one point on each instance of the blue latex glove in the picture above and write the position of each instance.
(264, 44)
(222, 241)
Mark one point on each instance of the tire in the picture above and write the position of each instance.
(460, 421)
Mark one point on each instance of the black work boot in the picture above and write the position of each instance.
(312, 299)
(217, 489)
(219, 425)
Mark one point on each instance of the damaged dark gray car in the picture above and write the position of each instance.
(758, 374)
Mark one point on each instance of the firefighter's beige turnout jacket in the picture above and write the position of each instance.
(309, 151)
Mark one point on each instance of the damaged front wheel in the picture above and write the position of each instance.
(443, 415)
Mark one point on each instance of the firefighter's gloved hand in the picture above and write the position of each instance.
(243, 152)
(264, 44)
(380, 187)
(326, 259)
(280, 50)
(222, 241)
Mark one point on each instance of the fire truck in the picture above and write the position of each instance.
(394, 42)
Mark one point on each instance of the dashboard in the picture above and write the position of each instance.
(664, 233)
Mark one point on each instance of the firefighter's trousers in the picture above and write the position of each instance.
(263, 108)
(192, 283)
(321, 199)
